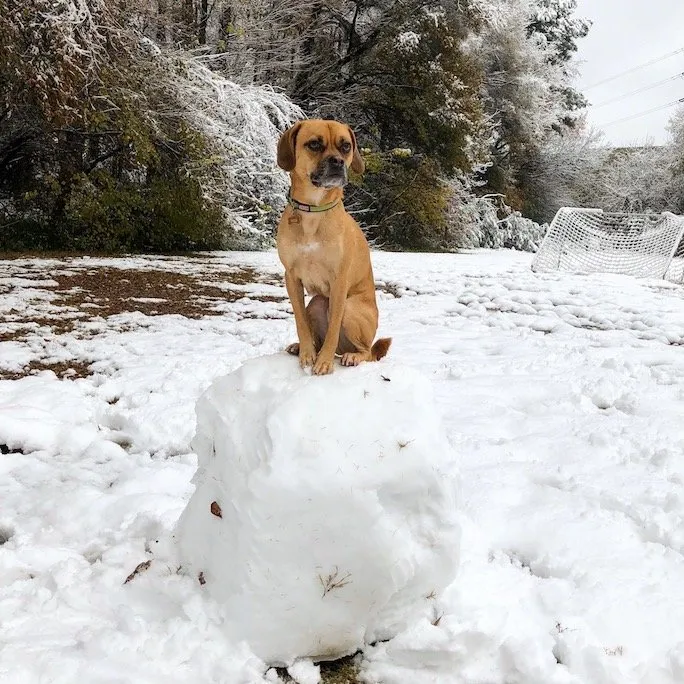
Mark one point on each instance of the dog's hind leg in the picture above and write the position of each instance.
(359, 324)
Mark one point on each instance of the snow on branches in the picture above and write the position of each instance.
(241, 124)
(56, 46)
(521, 78)
(84, 69)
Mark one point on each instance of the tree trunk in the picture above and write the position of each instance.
(301, 87)
(202, 25)
(161, 21)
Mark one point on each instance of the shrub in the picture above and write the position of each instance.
(401, 200)
(119, 145)
(487, 221)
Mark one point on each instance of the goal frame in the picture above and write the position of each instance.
(590, 240)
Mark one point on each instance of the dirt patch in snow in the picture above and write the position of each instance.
(342, 671)
(62, 369)
(109, 291)
(62, 298)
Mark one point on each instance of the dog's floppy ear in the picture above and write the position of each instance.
(357, 164)
(286, 147)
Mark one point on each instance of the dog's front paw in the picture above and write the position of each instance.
(307, 356)
(323, 365)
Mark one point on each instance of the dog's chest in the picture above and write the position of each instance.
(311, 264)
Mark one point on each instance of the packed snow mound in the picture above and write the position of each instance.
(325, 510)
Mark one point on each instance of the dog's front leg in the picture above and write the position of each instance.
(295, 291)
(338, 297)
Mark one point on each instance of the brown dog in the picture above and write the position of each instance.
(324, 251)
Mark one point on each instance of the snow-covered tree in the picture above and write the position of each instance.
(525, 48)
(676, 159)
(630, 179)
(520, 93)
(555, 20)
(420, 89)
(556, 23)
(119, 143)
(241, 125)
(52, 53)
(558, 172)
(645, 178)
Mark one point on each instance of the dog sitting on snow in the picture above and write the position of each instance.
(324, 250)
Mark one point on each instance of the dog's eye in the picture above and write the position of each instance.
(315, 145)
(345, 147)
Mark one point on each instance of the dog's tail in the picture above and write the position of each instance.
(380, 348)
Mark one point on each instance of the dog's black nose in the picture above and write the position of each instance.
(336, 162)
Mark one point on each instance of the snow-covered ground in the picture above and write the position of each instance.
(562, 395)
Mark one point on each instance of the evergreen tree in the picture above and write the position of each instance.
(555, 21)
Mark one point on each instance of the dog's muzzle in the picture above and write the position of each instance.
(331, 172)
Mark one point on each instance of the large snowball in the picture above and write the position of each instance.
(325, 509)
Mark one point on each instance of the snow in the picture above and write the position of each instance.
(408, 41)
(315, 538)
(562, 397)
(305, 672)
(243, 123)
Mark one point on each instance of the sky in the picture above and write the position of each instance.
(626, 34)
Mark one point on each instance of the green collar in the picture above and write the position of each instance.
(314, 208)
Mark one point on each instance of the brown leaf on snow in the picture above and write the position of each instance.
(216, 509)
(140, 568)
(201, 579)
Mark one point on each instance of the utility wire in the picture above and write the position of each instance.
(636, 68)
(638, 90)
(648, 111)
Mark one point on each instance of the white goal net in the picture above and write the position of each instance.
(594, 241)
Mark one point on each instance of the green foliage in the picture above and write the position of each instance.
(101, 214)
(117, 183)
(404, 202)
(98, 215)
(423, 90)
(179, 219)
(96, 169)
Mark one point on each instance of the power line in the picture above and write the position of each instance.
(638, 90)
(648, 111)
(636, 68)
